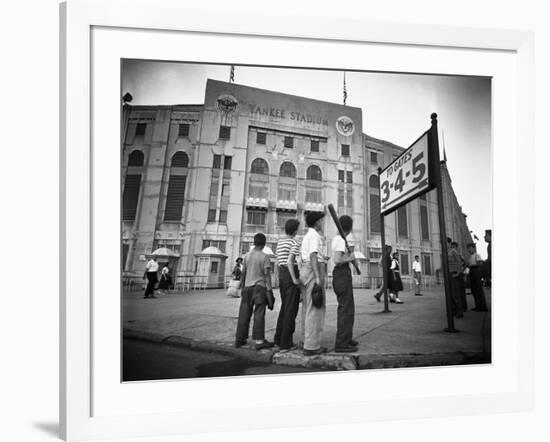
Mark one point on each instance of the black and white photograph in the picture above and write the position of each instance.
(283, 220)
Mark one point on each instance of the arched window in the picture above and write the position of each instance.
(258, 183)
(176, 187)
(259, 166)
(180, 159)
(314, 173)
(374, 183)
(132, 183)
(136, 158)
(286, 188)
(288, 170)
(374, 203)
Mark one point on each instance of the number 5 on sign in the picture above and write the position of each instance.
(407, 177)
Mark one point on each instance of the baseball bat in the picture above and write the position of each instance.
(334, 216)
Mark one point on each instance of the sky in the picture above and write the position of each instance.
(396, 108)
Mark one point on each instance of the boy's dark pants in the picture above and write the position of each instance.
(151, 281)
(477, 288)
(290, 301)
(343, 288)
(253, 300)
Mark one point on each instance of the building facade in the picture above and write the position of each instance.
(201, 180)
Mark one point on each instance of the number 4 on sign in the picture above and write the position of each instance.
(399, 182)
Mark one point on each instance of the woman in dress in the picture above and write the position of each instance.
(165, 282)
(394, 284)
(235, 283)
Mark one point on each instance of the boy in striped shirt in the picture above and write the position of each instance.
(287, 251)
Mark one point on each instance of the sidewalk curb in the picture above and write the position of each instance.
(327, 361)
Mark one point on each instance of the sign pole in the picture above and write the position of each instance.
(384, 257)
(433, 142)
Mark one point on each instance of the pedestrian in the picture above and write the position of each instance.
(150, 274)
(289, 285)
(256, 276)
(233, 290)
(395, 285)
(417, 275)
(312, 278)
(474, 265)
(455, 279)
(165, 282)
(385, 272)
(487, 263)
(343, 288)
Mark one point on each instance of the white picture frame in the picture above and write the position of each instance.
(80, 377)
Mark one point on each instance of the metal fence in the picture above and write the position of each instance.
(189, 283)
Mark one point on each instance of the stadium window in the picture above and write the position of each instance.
(217, 162)
(183, 130)
(314, 173)
(212, 216)
(259, 166)
(402, 225)
(374, 157)
(289, 142)
(175, 197)
(349, 177)
(135, 159)
(340, 176)
(287, 170)
(225, 132)
(256, 218)
(130, 197)
(314, 145)
(261, 137)
(227, 163)
(179, 159)
(140, 129)
(345, 150)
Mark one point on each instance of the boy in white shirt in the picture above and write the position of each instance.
(417, 275)
(342, 283)
(312, 276)
(151, 274)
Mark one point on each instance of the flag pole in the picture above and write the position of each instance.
(433, 144)
(345, 93)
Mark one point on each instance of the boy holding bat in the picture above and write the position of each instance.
(343, 287)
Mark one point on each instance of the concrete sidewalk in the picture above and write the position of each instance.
(410, 336)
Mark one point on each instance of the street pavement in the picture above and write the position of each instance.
(146, 361)
(411, 335)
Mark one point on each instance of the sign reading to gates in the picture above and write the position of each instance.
(407, 177)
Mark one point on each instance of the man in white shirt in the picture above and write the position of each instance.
(151, 274)
(342, 283)
(474, 265)
(417, 275)
(312, 276)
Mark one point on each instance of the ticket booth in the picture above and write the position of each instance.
(210, 269)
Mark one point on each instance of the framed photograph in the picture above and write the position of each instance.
(199, 260)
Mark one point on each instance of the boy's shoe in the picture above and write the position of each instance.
(239, 344)
(263, 345)
(398, 301)
(346, 349)
(315, 352)
(353, 343)
(377, 297)
(418, 294)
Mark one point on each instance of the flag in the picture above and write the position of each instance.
(345, 90)
(232, 74)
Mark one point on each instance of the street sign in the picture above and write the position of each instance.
(408, 176)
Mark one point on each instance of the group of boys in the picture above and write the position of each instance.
(302, 275)
(460, 270)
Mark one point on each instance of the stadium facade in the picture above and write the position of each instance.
(198, 181)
